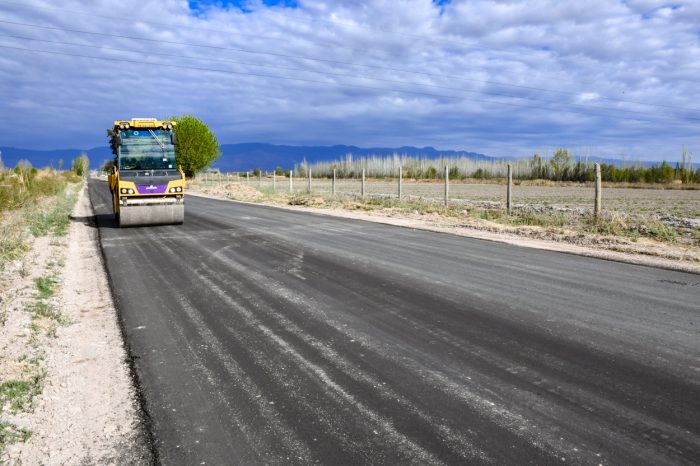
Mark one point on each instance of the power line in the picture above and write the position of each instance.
(329, 21)
(156, 23)
(328, 73)
(375, 88)
(339, 62)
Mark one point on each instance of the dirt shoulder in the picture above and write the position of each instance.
(642, 251)
(62, 337)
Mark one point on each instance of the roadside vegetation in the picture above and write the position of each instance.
(561, 223)
(196, 147)
(34, 203)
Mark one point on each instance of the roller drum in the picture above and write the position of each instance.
(158, 214)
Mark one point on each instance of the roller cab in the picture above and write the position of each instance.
(147, 186)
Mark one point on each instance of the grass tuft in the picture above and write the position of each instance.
(18, 394)
(12, 434)
(45, 286)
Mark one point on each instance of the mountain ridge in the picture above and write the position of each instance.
(238, 156)
(265, 156)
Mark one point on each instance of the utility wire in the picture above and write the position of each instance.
(360, 86)
(343, 75)
(338, 62)
(314, 20)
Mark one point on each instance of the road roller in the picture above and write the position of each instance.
(147, 185)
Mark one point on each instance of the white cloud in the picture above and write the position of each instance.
(504, 78)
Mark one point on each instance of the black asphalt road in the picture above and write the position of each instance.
(264, 336)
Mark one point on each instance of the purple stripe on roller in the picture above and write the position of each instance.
(151, 188)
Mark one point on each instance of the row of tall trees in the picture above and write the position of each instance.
(561, 166)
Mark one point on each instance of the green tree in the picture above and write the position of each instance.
(560, 163)
(81, 165)
(196, 146)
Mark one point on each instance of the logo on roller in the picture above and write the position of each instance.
(151, 187)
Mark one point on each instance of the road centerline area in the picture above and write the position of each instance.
(266, 336)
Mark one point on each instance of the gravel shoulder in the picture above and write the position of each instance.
(642, 252)
(87, 410)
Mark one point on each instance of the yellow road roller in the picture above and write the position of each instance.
(147, 186)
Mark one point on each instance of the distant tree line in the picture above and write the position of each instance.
(561, 166)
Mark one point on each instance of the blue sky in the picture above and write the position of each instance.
(243, 5)
(506, 78)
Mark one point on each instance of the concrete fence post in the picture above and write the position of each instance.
(400, 182)
(238, 177)
(291, 182)
(598, 190)
(247, 177)
(274, 181)
(362, 190)
(509, 191)
(333, 184)
(447, 185)
(259, 178)
(219, 177)
(308, 188)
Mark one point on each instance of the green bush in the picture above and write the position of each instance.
(81, 165)
(196, 147)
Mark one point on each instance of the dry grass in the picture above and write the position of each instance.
(40, 210)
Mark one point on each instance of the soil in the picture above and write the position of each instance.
(87, 411)
(642, 251)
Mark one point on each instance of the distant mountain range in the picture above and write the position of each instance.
(252, 155)
(238, 157)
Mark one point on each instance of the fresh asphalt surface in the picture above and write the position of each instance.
(265, 336)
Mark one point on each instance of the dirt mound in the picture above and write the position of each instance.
(308, 201)
(236, 191)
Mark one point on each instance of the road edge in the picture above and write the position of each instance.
(145, 421)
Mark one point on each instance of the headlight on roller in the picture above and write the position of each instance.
(172, 190)
(123, 190)
(179, 189)
(130, 191)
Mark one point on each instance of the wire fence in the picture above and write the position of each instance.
(537, 195)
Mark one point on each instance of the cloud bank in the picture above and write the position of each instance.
(504, 78)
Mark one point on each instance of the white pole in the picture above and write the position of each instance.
(447, 185)
(400, 181)
(333, 184)
(598, 190)
(363, 183)
(509, 191)
(291, 177)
